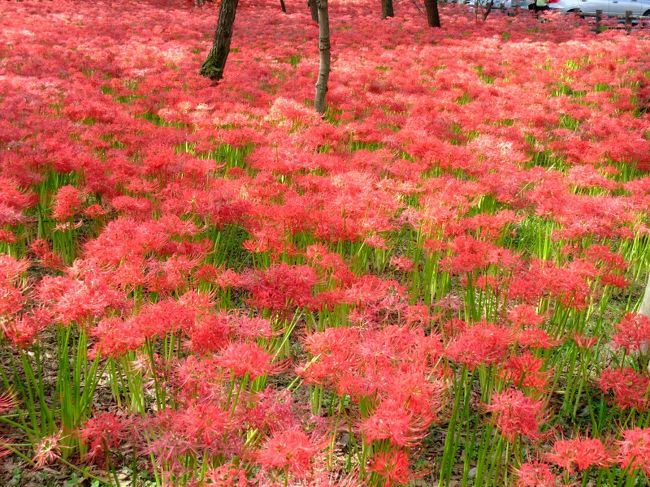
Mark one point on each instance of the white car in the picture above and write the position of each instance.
(506, 4)
(608, 7)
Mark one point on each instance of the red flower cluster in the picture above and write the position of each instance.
(231, 290)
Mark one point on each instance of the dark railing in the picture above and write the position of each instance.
(629, 19)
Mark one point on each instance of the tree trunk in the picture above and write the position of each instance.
(216, 62)
(283, 6)
(325, 56)
(387, 9)
(488, 9)
(313, 7)
(644, 308)
(433, 17)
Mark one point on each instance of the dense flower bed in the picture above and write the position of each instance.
(211, 285)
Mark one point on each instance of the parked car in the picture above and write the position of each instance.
(608, 7)
(506, 4)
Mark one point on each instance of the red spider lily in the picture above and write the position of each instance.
(471, 254)
(489, 226)
(585, 176)
(633, 333)
(41, 249)
(291, 450)
(11, 269)
(7, 237)
(392, 422)
(198, 214)
(246, 359)
(526, 370)
(331, 262)
(630, 389)
(271, 411)
(7, 402)
(422, 396)
(583, 341)
(634, 450)
(392, 466)
(4, 451)
(523, 314)
(535, 338)
(116, 336)
(606, 258)
(454, 327)
(200, 427)
(11, 299)
(48, 450)
(516, 414)
(95, 211)
(580, 453)
(77, 300)
(569, 284)
(402, 263)
(250, 327)
(535, 474)
(483, 343)
(227, 476)
(67, 203)
(103, 433)
(23, 330)
(395, 362)
(283, 287)
(13, 197)
(229, 278)
(209, 334)
(334, 349)
(198, 378)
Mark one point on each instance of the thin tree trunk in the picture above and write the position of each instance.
(283, 6)
(644, 309)
(433, 17)
(313, 7)
(216, 61)
(325, 56)
(387, 9)
(488, 9)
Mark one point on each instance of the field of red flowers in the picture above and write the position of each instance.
(433, 285)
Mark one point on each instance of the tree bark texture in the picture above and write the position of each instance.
(215, 63)
(325, 56)
(433, 17)
(488, 9)
(387, 9)
(313, 7)
(644, 308)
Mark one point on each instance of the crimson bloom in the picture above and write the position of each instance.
(290, 450)
(246, 358)
(392, 465)
(634, 450)
(67, 203)
(526, 370)
(633, 333)
(102, 433)
(484, 343)
(516, 414)
(630, 389)
(580, 453)
(393, 423)
(535, 474)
